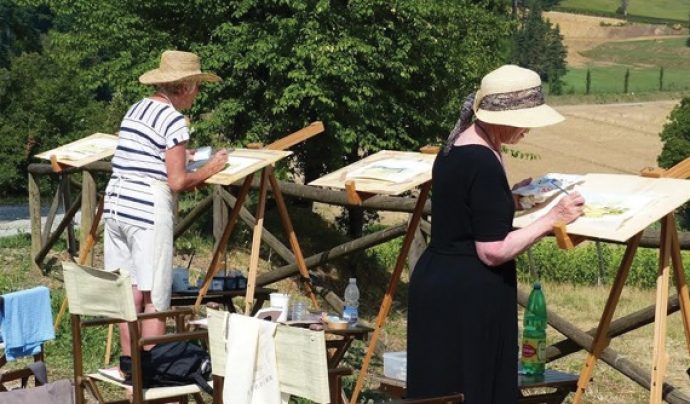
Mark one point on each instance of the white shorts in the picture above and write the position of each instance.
(132, 248)
(145, 253)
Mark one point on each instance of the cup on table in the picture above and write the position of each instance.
(280, 301)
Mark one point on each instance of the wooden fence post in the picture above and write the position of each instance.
(220, 215)
(35, 214)
(88, 207)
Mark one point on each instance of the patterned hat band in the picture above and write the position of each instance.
(528, 98)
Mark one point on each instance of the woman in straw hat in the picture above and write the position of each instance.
(148, 167)
(462, 323)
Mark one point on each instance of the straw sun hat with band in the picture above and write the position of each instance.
(509, 96)
(177, 66)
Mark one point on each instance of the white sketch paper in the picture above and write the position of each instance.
(237, 164)
(391, 170)
(609, 210)
(83, 151)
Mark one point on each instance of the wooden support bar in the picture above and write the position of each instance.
(54, 165)
(601, 339)
(89, 214)
(564, 240)
(659, 357)
(681, 282)
(51, 213)
(392, 286)
(297, 137)
(35, 214)
(292, 238)
(355, 197)
(66, 198)
(220, 246)
(256, 244)
(69, 215)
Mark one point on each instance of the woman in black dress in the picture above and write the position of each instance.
(462, 318)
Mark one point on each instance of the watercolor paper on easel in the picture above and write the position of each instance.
(386, 172)
(83, 151)
(617, 206)
(242, 162)
(393, 170)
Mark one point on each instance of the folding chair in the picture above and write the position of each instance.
(26, 323)
(109, 297)
(293, 345)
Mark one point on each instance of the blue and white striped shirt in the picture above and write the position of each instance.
(148, 129)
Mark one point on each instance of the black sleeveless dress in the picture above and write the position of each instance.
(462, 316)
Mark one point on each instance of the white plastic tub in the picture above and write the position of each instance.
(395, 365)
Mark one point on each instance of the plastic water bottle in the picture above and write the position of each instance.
(351, 303)
(534, 333)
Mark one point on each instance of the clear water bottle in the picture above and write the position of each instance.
(534, 333)
(351, 303)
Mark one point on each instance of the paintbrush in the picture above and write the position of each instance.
(556, 184)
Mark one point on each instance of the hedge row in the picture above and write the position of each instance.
(581, 264)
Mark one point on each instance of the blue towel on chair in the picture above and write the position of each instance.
(27, 322)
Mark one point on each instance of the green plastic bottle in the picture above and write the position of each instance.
(534, 333)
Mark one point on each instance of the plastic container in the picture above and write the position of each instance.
(350, 311)
(395, 365)
(180, 279)
(218, 283)
(533, 359)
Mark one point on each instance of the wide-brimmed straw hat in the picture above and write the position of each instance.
(512, 96)
(177, 66)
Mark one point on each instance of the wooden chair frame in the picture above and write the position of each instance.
(82, 381)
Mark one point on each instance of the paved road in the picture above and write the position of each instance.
(14, 219)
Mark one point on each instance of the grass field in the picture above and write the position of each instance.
(644, 58)
(668, 9)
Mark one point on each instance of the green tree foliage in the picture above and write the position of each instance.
(538, 45)
(21, 28)
(380, 74)
(675, 137)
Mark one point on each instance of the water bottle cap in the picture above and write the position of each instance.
(537, 285)
(353, 280)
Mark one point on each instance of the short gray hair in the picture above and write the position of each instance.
(175, 88)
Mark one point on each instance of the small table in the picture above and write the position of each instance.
(188, 298)
(563, 383)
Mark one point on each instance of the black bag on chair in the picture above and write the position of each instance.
(176, 364)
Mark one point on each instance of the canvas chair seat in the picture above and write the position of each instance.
(109, 297)
(153, 393)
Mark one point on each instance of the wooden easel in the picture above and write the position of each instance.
(267, 176)
(669, 250)
(356, 198)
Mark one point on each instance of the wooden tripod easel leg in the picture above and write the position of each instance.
(601, 339)
(681, 282)
(660, 357)
(256, 243)
(392, 286)
(232, 220)
(90, 241)
(292, 237)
